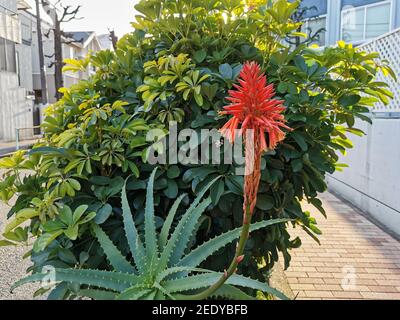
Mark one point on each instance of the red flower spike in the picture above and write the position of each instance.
(253, 108)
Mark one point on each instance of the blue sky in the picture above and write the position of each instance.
(99, 15)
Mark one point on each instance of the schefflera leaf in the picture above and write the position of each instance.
(160, 267)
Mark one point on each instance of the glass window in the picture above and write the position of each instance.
(11, 58)
(353, 25)
(378, 21)
(366, 22)
(3, 64)
(26, 32)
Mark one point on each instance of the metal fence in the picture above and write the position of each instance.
(23, 134)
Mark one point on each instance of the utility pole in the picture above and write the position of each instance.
(58, 58)
(43, 80)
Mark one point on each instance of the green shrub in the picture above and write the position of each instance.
(178, 65)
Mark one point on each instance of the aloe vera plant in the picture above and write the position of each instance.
(162, 267)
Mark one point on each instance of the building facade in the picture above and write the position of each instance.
(16, 101)
(76, 46)
(20, 85)
(85, 42)
(354, 21)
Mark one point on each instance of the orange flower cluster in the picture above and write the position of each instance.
(253, 108)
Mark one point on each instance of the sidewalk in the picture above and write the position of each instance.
(8, 147)
(356, 259)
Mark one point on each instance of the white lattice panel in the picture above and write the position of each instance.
(388, 46)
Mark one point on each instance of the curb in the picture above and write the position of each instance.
(279, 281)
(10, 151)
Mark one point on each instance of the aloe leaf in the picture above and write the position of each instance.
(134, 293)
(150, 296)
(202, 252)
(176, 236)
(192, 282)
(207, 279)
(132, 235)
(170, 271)
(227, 291)
(103, 279)
(117, 260)
(189, 229)
(97, 294)
(159, 296)
(166, 229)
(180, 238)
(150, 234)
(242, 281)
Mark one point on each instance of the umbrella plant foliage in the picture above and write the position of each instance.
(160, 265)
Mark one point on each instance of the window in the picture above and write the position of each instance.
(26, 32)
(313, 25)
(11, 58)
(367, 22)
(378, 21)
(3, 64)
(38, 96)
(7, 56)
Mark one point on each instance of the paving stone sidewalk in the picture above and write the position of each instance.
(8, 147)
(356, 259)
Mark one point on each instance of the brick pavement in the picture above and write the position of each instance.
(356, 259)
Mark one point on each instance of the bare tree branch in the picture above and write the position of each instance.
(69, 13)
(47, 34)
(113, 37)
(60, 13)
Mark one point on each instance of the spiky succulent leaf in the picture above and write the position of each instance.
(179, 239)
(135, 244)
(150, 234)
(188, 231)
(134, 293)
(97, 294)
(151, 295)
(245, 282)
(160, 296)
(227, 291)
(169, 256)
(202, 252)
(207, 279)
(166, 228)
(117, 260)
(115, 281)
(176, 270)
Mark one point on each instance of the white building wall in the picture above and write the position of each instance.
(371, 182)
(15, 108)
